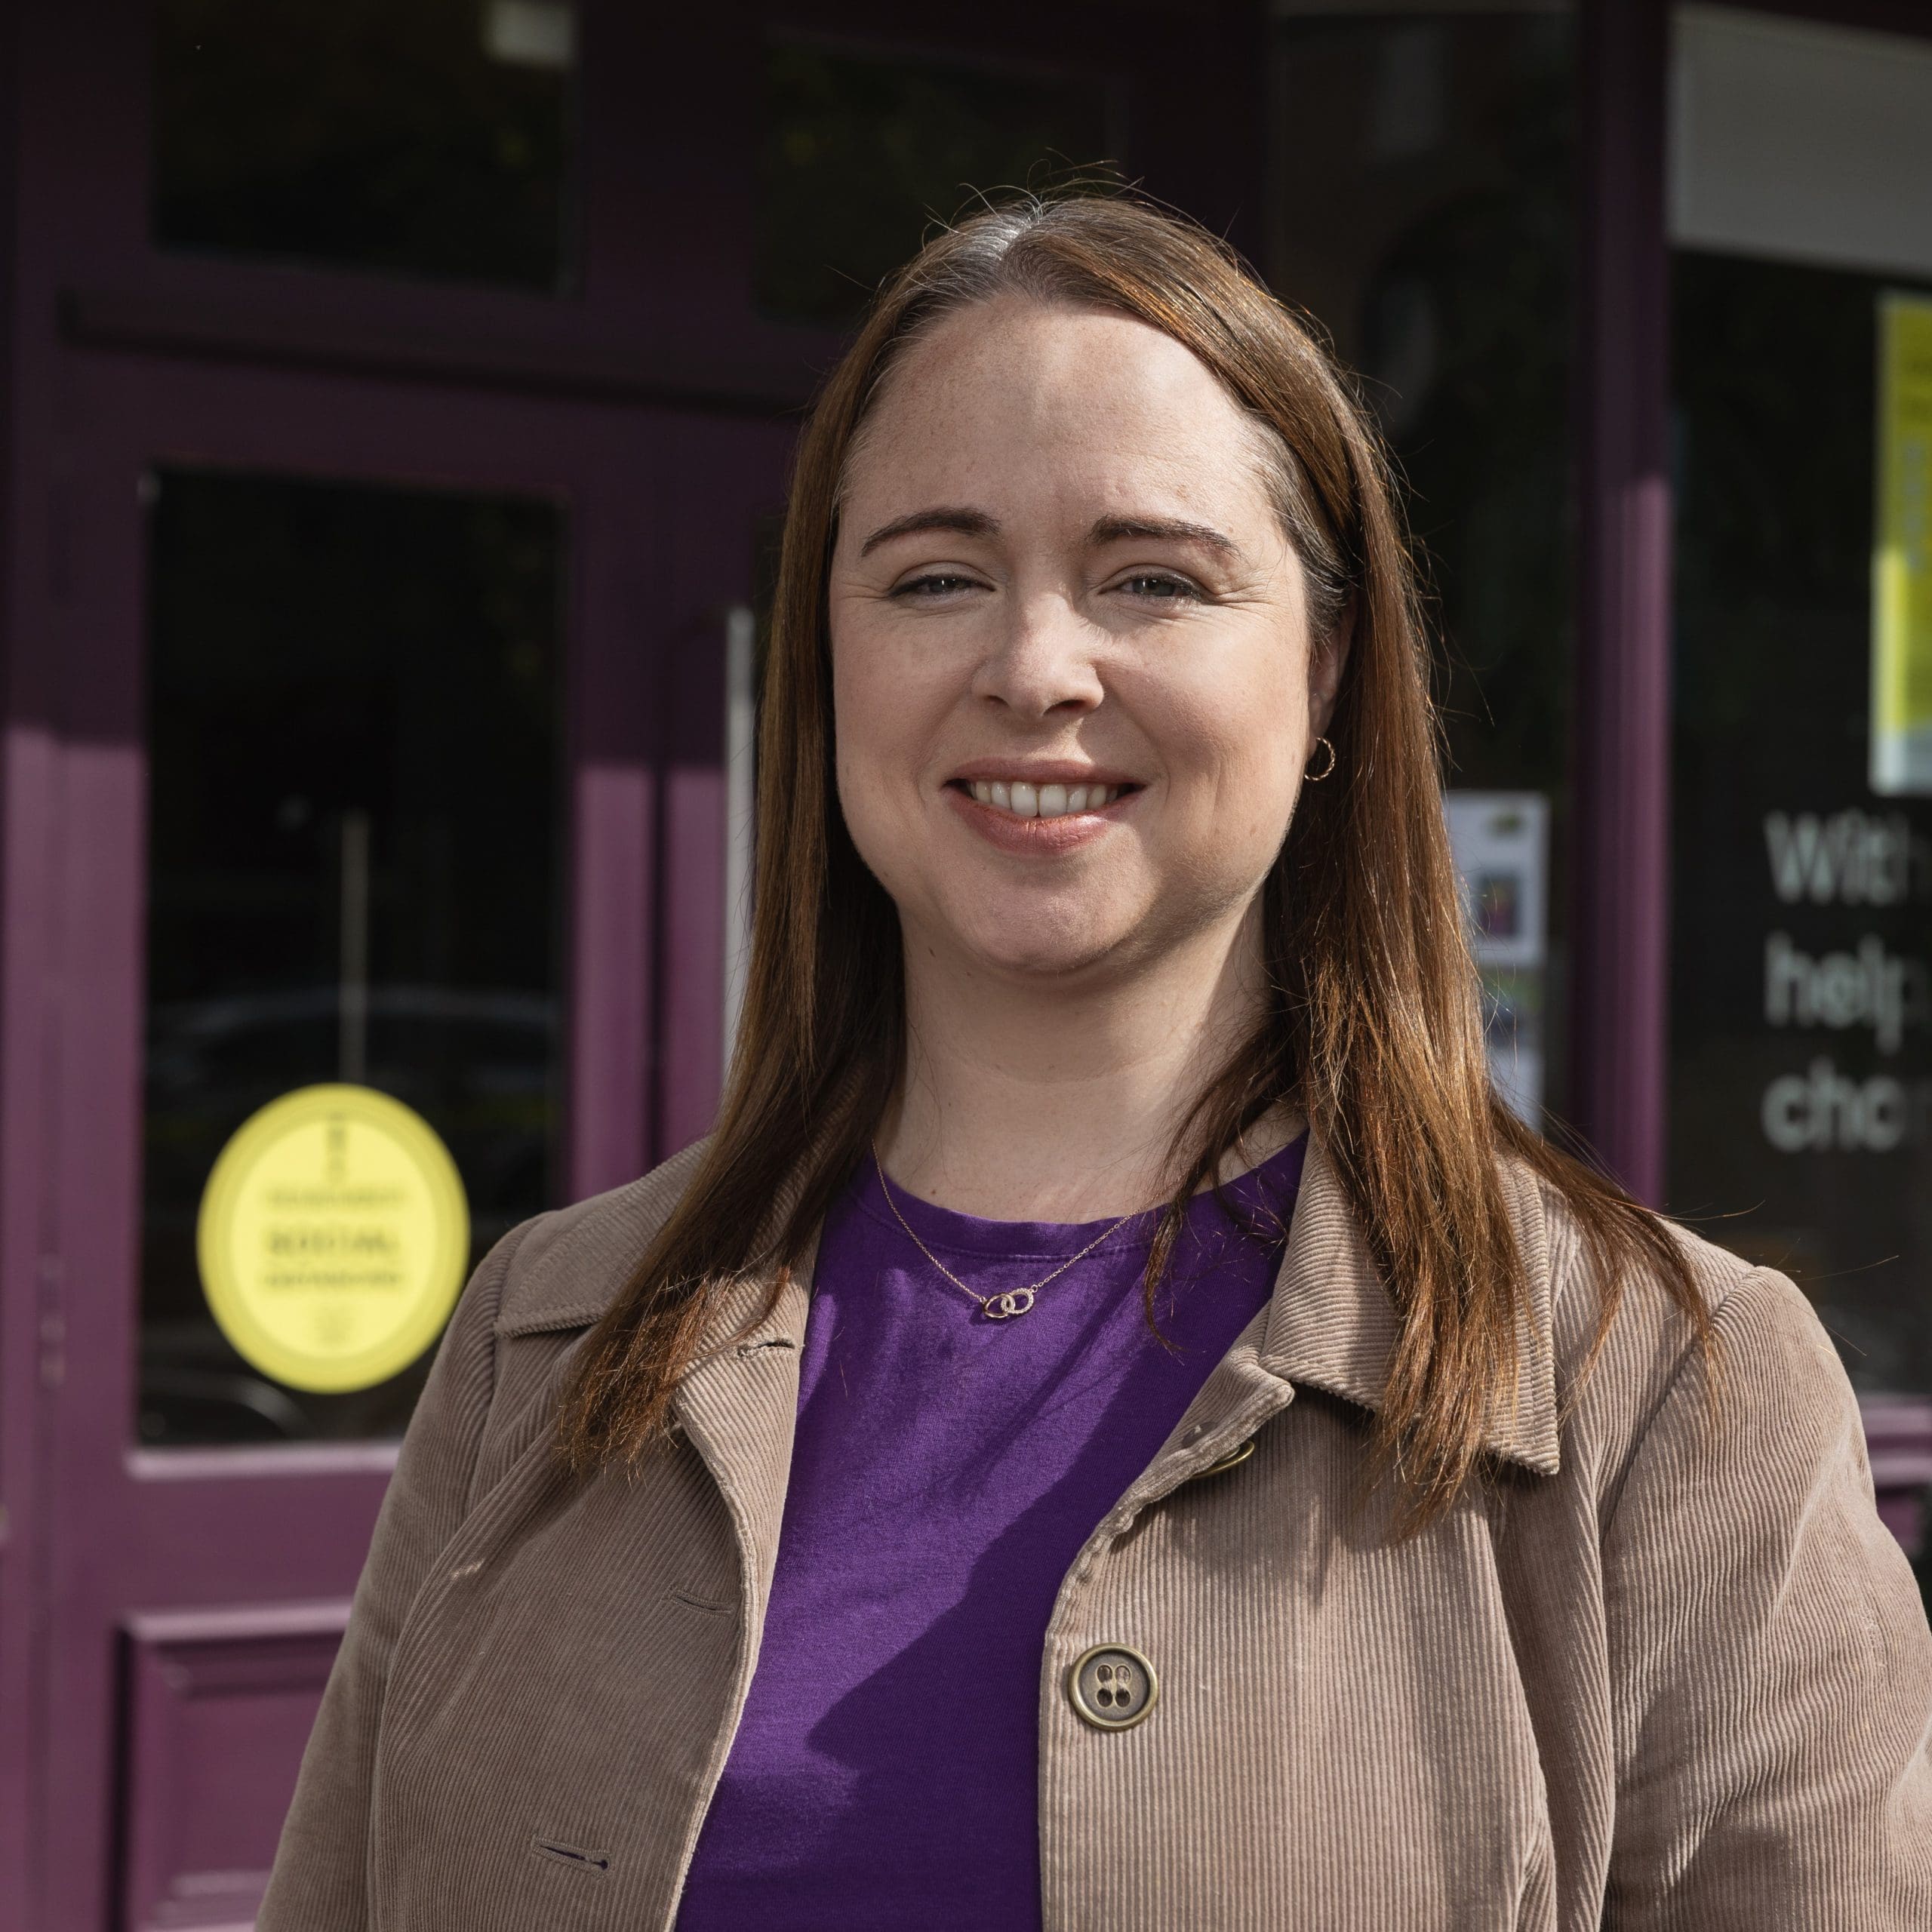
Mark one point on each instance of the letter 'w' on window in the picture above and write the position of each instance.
(740, 798)
(1808, 855)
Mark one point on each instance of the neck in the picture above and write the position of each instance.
(1058, 1102)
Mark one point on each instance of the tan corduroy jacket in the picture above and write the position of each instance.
(1662, 1672)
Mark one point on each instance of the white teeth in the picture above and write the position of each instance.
(1028, 800)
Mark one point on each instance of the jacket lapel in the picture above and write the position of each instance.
(738, 1407)
(1332, 1324)
(737, 1404)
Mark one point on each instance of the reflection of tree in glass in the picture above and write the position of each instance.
(407, 137)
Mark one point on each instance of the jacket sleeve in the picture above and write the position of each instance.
(1770, 1666)
(319, 1879)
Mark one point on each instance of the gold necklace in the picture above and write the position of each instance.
(1009, 1301)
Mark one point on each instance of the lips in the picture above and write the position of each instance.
(1043, 815)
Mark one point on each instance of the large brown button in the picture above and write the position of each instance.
(1112, 1687)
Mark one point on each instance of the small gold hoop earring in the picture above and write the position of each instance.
(1327, 770)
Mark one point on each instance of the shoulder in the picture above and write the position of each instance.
(569, 1264)
(1770, 1357)
(1575, 1290)
(1649, 1318)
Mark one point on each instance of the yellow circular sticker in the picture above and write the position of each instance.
(334, 1236)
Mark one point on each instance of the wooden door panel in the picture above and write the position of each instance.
(216, 1706)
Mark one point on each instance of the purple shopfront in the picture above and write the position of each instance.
(400, 401)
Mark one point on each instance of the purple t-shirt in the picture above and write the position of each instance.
(946, 1471)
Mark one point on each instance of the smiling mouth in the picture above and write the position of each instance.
(1021, 799)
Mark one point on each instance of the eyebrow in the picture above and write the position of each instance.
(1173, 530)
(961, 522)
(967, 522)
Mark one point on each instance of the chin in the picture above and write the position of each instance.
(1033, 946)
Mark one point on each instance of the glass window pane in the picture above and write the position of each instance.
(1802, 1020)
(1801, 1038)
(1422, 208)
(427, 138)
(859, 154)
(354, 706)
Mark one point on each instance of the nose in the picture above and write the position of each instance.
(1043, 660)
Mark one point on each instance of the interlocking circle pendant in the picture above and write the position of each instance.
(1004, 1307)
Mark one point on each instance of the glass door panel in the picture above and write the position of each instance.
(354, 710)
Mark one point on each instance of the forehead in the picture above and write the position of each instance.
(1013, 397)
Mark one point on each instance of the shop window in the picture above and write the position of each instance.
(1801, 1007)
(1421, 207)
(431, 138)
(1800, 1078)
(354, 704)
(860, 154)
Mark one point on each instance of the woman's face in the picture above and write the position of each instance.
(1074, 683)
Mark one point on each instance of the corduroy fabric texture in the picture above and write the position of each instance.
(1665, 1669)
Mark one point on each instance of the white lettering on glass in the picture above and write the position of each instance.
(1851, 858)
(1824, 1109)
(1870, 987)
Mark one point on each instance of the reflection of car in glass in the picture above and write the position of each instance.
(480, 1067)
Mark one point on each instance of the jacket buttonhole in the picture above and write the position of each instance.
(769, 1341)
(571, 1855)
(463, 1570)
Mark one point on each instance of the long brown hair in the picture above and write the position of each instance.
(1373, 1028)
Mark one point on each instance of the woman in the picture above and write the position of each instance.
(1117, 1428)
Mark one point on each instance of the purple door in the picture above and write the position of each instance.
(388, 745)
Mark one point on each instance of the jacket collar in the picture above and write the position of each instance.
(1331, 1322)
(737, 1405)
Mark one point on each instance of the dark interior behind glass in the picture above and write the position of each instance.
(354, 713)
(432, 137)
(1784, 917)
(860, 153)
(1421, 209)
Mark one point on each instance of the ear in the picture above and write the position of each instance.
(1327, 659)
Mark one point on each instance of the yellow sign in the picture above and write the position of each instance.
(1902, 554)
(333, 1238)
